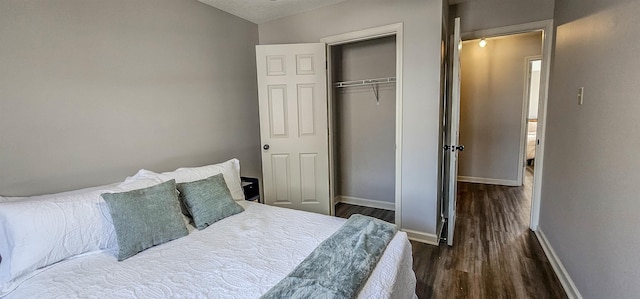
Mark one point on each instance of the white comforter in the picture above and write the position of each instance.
(242, 256)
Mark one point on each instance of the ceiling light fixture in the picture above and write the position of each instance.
(483, 43)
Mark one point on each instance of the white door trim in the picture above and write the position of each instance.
(367, 34)
(546, 26)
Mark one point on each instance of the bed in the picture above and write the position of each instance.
(531, 141)
(240, 256)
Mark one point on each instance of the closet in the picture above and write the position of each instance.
(363, 122)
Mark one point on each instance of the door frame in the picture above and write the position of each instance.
(546, 26)
(356, 36)
(522, 161)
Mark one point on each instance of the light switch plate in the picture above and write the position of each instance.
(580, 96)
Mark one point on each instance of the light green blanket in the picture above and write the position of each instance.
(340, 265)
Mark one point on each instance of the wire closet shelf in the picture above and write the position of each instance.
(372, 82)
(365, 82)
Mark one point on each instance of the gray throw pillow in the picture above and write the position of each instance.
(145, 217)
(208, 200)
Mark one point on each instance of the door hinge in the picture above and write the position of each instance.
(326, 65)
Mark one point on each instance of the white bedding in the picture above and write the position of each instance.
(531, 146)
(241, 256)
(532, 127)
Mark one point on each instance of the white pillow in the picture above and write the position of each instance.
(41, 230)
(230, 171)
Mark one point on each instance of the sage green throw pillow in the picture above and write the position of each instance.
(145, 217)
(208, 200)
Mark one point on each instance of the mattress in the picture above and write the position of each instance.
(531, 145)
(242, 256)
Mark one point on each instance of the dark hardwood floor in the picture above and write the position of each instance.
(494, 255)
(346, 210)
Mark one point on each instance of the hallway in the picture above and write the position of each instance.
(495, 255)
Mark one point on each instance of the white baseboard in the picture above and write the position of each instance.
(391, 206)
(566, 281)
(412, 234)
(470, 179)
(422, 237)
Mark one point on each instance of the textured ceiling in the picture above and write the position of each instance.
(260, 11)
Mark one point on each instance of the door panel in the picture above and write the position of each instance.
(292, 95)
(308, 178)
(305, 64)
(276, 65)
(278, 119)
(306, 121)
(280, 178)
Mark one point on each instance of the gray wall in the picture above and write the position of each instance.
(590, 207)
(91, 91)
(491, 105)
(365, 130)
(422, 31)
(486, 14)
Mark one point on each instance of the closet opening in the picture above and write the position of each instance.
(365, 119)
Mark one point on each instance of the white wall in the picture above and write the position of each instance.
(590, 205)
(491, 106)
(92, 91)
(421, 90)
(486, 14)
(365, 128)
(534, 89)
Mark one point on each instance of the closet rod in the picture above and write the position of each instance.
(365, 82)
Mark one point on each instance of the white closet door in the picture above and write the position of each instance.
(292, 94)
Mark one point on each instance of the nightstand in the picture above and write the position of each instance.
(251, 189)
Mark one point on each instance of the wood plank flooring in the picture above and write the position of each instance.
(346, 210)
(495, 255)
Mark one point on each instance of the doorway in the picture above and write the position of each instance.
(545, 29)
(371, 90)
(494, 107)
(295, 103)
(363, 122)
(533, 66)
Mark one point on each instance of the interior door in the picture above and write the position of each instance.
(292, 95)
(452, 148)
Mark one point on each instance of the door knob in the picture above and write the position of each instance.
(265, 147)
